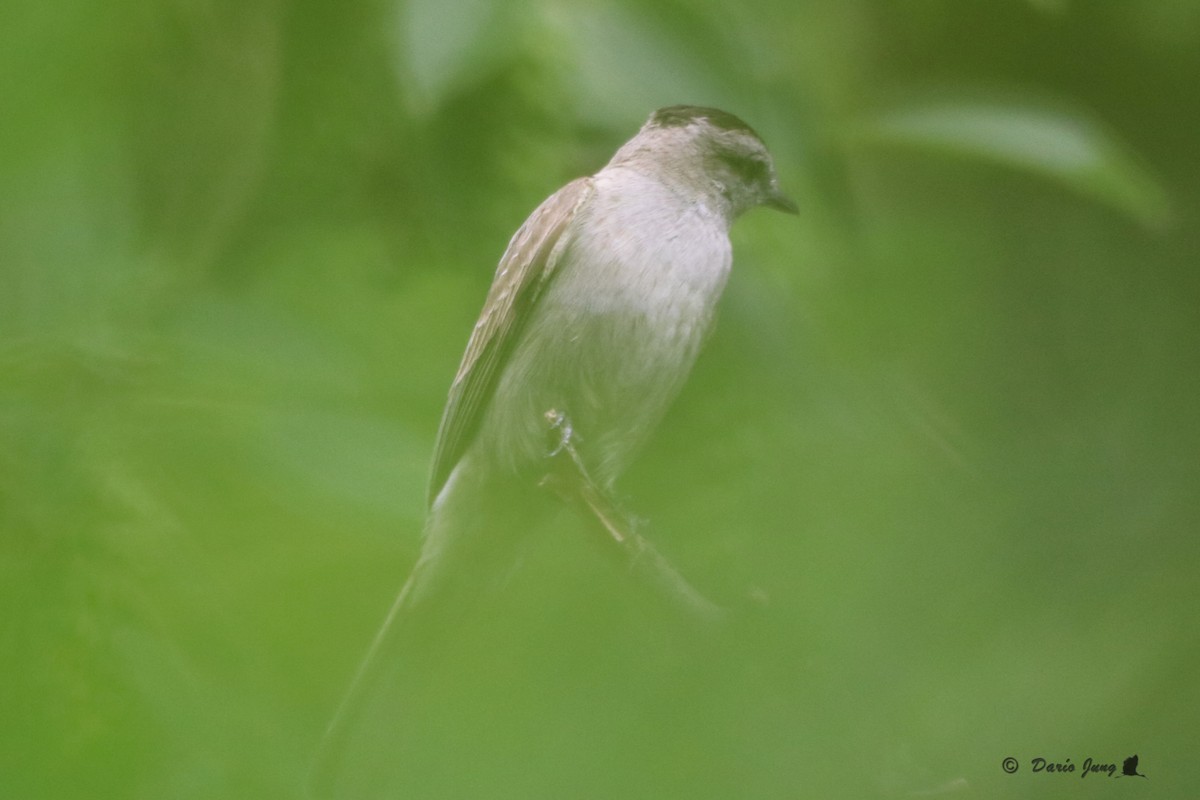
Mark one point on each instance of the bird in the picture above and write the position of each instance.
(595, 316)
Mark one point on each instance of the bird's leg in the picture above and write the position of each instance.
(560, 426)
(580, 485)
(575, 486)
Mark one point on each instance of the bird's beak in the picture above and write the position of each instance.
(781, 202)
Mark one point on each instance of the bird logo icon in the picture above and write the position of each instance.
(1129, 768)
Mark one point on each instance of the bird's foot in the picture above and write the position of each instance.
(569, 478)
(563, 433)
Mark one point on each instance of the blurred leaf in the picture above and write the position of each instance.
(446, 43)
(1071, 148)
(202, 120)
(1056, 7)
(629, 63)
(367, 463)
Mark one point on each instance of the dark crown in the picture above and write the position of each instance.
(679, 116)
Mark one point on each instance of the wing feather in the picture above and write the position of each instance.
(527, 264)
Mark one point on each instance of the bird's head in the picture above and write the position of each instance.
(710, 152)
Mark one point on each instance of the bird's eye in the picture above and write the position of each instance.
(748, 168)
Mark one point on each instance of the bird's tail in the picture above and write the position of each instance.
(370, 680)
(470, 536)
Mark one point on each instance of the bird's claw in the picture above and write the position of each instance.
(560, 425)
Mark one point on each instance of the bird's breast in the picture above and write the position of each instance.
(613, 334)
(641, 252)
(618, 327)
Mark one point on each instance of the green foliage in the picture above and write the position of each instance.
(940, 457)
(1070, 148)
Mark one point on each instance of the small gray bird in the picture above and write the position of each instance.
(593, 321)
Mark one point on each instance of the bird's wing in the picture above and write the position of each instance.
(523, 271)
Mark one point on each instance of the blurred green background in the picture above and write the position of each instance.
(941, 456)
